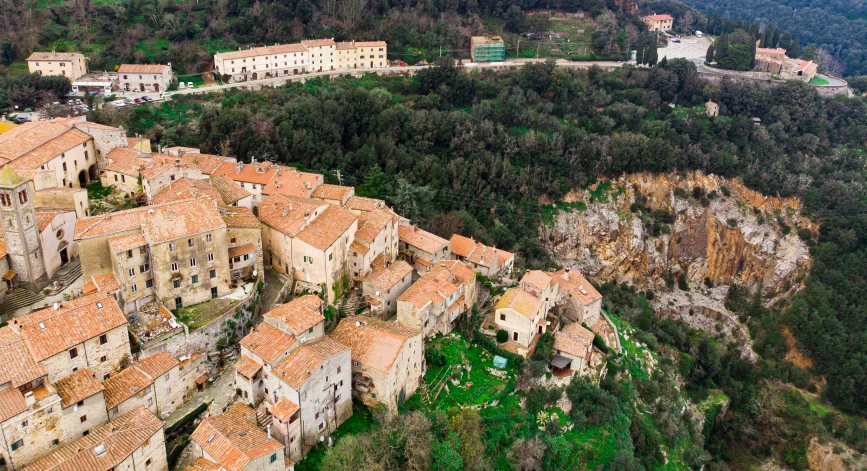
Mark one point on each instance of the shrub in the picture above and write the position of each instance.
(708, 282)
(804, 234)
(502, 336)
(732, 222)
(435, 357)
(725, 191)
(649, 295)
(682, 283)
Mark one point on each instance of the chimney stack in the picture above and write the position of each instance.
(285, 212)
(30, 398)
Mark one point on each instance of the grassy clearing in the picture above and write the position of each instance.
(200, 314)
(361, 422)
(550, 211)
(600, 193)
(819, 81)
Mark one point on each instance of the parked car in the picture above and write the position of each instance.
(190, 85)
(181, 85)
(675, 40)
(128, 101)
(139, 100)
(21, 119)
(165, 95)
(420, 63)
(147, 98)
(402, 64)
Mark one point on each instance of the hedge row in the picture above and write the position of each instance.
(490, 345)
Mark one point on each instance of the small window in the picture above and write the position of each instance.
(502, 317)
(172, 247)
(214, 293)
(148, 462)
(131, 272)
(149, 284)
(103, 358)
(17, 444)
(179, 303)
(210, 257)
(133, 288)
(192, 262)
(168, 391)
(212, 273)
(176, 284)
(190, 243)
(73, 352)
(273, 457)
(234, 240)
(338, 370)
(208, 237)
(195, 279)
(150, 402)
(113, 410)
(174, 266)
(103, 339)
(83, 419)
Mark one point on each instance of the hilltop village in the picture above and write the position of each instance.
(117, 316)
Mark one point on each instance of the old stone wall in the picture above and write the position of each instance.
(80, 418)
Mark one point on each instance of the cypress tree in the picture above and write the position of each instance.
(709, 58)
(795, 50)
(786, 41)
(766, 36)
(639, 55)
(652, 54)
(775, 40)
(722, 48)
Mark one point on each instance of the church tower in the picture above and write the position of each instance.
(19, 226)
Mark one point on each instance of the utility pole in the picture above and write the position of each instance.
(518, 51)
(339, 177)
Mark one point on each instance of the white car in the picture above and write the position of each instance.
(181, 85)
(190, 85)
(695, 41)
(165, 95)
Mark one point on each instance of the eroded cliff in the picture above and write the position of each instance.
(644, 228)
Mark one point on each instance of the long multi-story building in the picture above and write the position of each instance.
(67, 64)
(262, 62)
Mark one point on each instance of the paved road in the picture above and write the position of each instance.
(696, 53)
(218, 394)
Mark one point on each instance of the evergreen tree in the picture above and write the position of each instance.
(775, 40)
(785, 41)
(767, 37)
(795, 50)
(652, 54)
(809, 53)
(639, 55)
(709, 58)
(722, 48)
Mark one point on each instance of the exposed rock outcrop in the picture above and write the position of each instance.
(737, 238)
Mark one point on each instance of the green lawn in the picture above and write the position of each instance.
(200, 314)
(819, 81)
(361, 422)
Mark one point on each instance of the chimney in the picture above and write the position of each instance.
(290, 206)
(269, 431)
(30, 398)
(285, 212)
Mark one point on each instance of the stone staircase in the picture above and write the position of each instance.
(68, 273)
(19, 298)
(350, 303)
(263, 418)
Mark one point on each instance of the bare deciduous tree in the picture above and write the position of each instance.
(829, 63)
(351, 12)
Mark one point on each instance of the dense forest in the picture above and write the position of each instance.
(837, 28)
(187, 33)
(473, 153)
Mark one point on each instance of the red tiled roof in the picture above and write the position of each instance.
(125, 385)
(296, 368)
(521, 302)
(158, 365)
(361, 203)
(373, 342)
(287, 214)
(574, 340)
(577, 286)
(284, 409)
(260, 173)
(300, 314)
(203, 464)
(143, 69)
(386, 278)
(268, 342)
(12, 403)
(186, 188)
(327, 228)
(247, 366)
(206, 162)
(332, 192)
(292, 182)
(236, 216)
(77, 387)
(17, 365)
(422, 239)
(241, 250)
(229, 191)
(232, 439)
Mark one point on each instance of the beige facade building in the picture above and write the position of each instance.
(178, 250)
(234, 442)
(83, 401)
(322, 54)
(163, 368)
(522, 315)
(383, 287)
(421, 249)
(262, 62)
(377, 239)
(542, 285)
(580, 301)
(61, 155)
(133, 441)
(659, 22)
(30, 424)
(438, 298)
(387, 359)
(309, 240)
(488, 261)
(361, 55)
(145, 77)
(67, 64)
(134, 172)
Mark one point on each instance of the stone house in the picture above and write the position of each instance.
(308, 240)
(291, 182)
(316, 376)
(542, 285)
(233, 441)
(207, 163)
(573, 346)
(31, 417)
(121, 170)
(133, 172)
(128, 390)
(133, 441)
(377, 238)
(262, 347)
(245, 237)
(87, 332)
(163, 368)
(56, 228)
(361, 55)
(105, 139)
(333, 194)
(193, 373)
(438, 298)
(347, 55)
(321, 53)
(266, 178)
(145, 77)
(387, 359)
(83, 403)
(488, 261)
(521, 314)
(579, 300)
(302, 317)
(232, 193)
(421, 249)
(186, 188)
(262, 62)
(711, 108)
(185, 260)
(66, 156)
(383, 287)
(359, 205)
(63, 198)
(67, 64)
(286, 425)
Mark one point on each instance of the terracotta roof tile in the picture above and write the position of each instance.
(143, 69)
(327, 228)
(158, 365)
(186, 188)
(77, 387)
(386, 278)
(422, 239)
(474, 252)
(126, 242)
(106, 282)
(208, 163)
(292, 182)
(125, 385)
(659, 17)
(203, 464)
(333, 192)
(574, 340)
(296, 368)
(373, 342)
(241, 250)
(247, 366)
(262, 51)
(240, 217)
(230, 191)
(357, 246)
(260, 173)
(537, 279)
(55, 56)
(371, 224)
(50, 331)
(370, 44)
(158, 223)
(288, 214)
(462, 272)
(120, 438)
(360, 203)
(521, 301)
(300, 314)
(577, 286)
(17, 365)
(40, 155)
(232, 439)
(45, 216)
(12, 403)
(284, 409)
(268, 342)
(318, 43)
(28, 136)
(432, 287)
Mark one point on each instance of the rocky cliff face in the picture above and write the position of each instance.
(642, 228)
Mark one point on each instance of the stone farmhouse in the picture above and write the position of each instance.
(573, 346)
(67, 64)
(234, 442)
(775, 62)
(382, 288)
(488, 261)
(438, 298)
(659, 22)
(134, 440)
(145, 77)
(387, 359)
(522, 315)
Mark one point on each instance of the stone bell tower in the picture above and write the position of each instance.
(19, 226)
